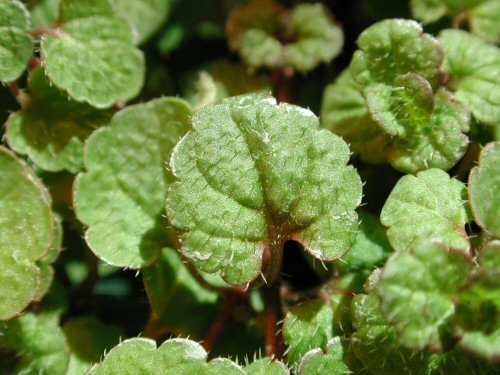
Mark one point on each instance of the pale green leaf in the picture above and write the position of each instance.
(51, 129)
(395, 47)
(417, 289)
(266, 366)
(26, 233)
(91, 55)
(259, 49)
(423, 130)
(38, 342)
(428, 10)
(484, 20)
(252, 175)
(474, 69)
(126, 175)
(44, 12)
(173, 357)
(490, 256)
(484, 190)
(16, 45)
(177, 299)
(307, 326)
(344, 111)
(332, 361)
(434, 201)
(319, 39)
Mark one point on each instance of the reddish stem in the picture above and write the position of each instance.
(282, 82)
(273, 317)
(13, 89)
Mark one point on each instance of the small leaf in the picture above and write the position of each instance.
(392, 48)
(16, 45)
(266, 366)
(145, 17)
(177, 299)
(125, 174)
(490, 256)
(259, 49)
(26, 233)
(428, 10)
(417, 123)
(484, 193)
(332, 361)
(344, 111)
(252, 175)
(88, 339)
(475, 81)
(417, 289)
(38, 342)
(44, 12)
(307, 326)
(51, 129)
(91, 55)
(484, 20)
(173, 357)
(319, 39)
(434, 201)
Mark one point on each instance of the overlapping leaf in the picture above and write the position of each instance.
(332, 361)
(474, 80)
(432, 199)
(16, 45)
(126, 176)
(91, 55)
(266, 366)
(252, 175)
(26, 233)
(51, 129)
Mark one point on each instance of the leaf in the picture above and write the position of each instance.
(317, 362)
(51, 129)
(173, 357)
(484, 20)
(428, 10)
(252, 175)
(37, 341)
(177, 298)
(91, 55)
(16, 45)
(490, 256)
(430, 204)
(370, 249)
(417, 289)
(307, 326)
(484, 182)
(266, 366)
(259, 49)
(395, 47)
(375, 344)
(145, 17)
(44, 12)
(475, 81)
(88, 339)
(26, 233)
(417, 123)
(319, 39)
(125, 174)
(344, 111)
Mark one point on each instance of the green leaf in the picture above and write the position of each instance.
(252, 175)
(332, 361)
(395, 47)
(38, 342)
(173, 357)
(307, 326)
(259, 49)
(44, 12)
(145, 17)
(490, 256)
(319, 39)
(16, 45)
(417, 289)
(430, 204)
(26, 233)
(484, 20)
(344, 111)
(51, 129)
(475, 81)
(177, 298)
(126, 175)
(91, 54)
(484, 182)
(428, 10)
(375, 345)
(417, 123)
(370, 249)
(88, 339)
(266, 366)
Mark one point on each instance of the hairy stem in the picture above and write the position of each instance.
(273, 320)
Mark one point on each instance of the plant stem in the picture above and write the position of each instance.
(282, 82)
(273, 320)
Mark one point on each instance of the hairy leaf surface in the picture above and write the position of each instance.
(332, 361)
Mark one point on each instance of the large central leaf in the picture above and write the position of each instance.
(252, 175)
